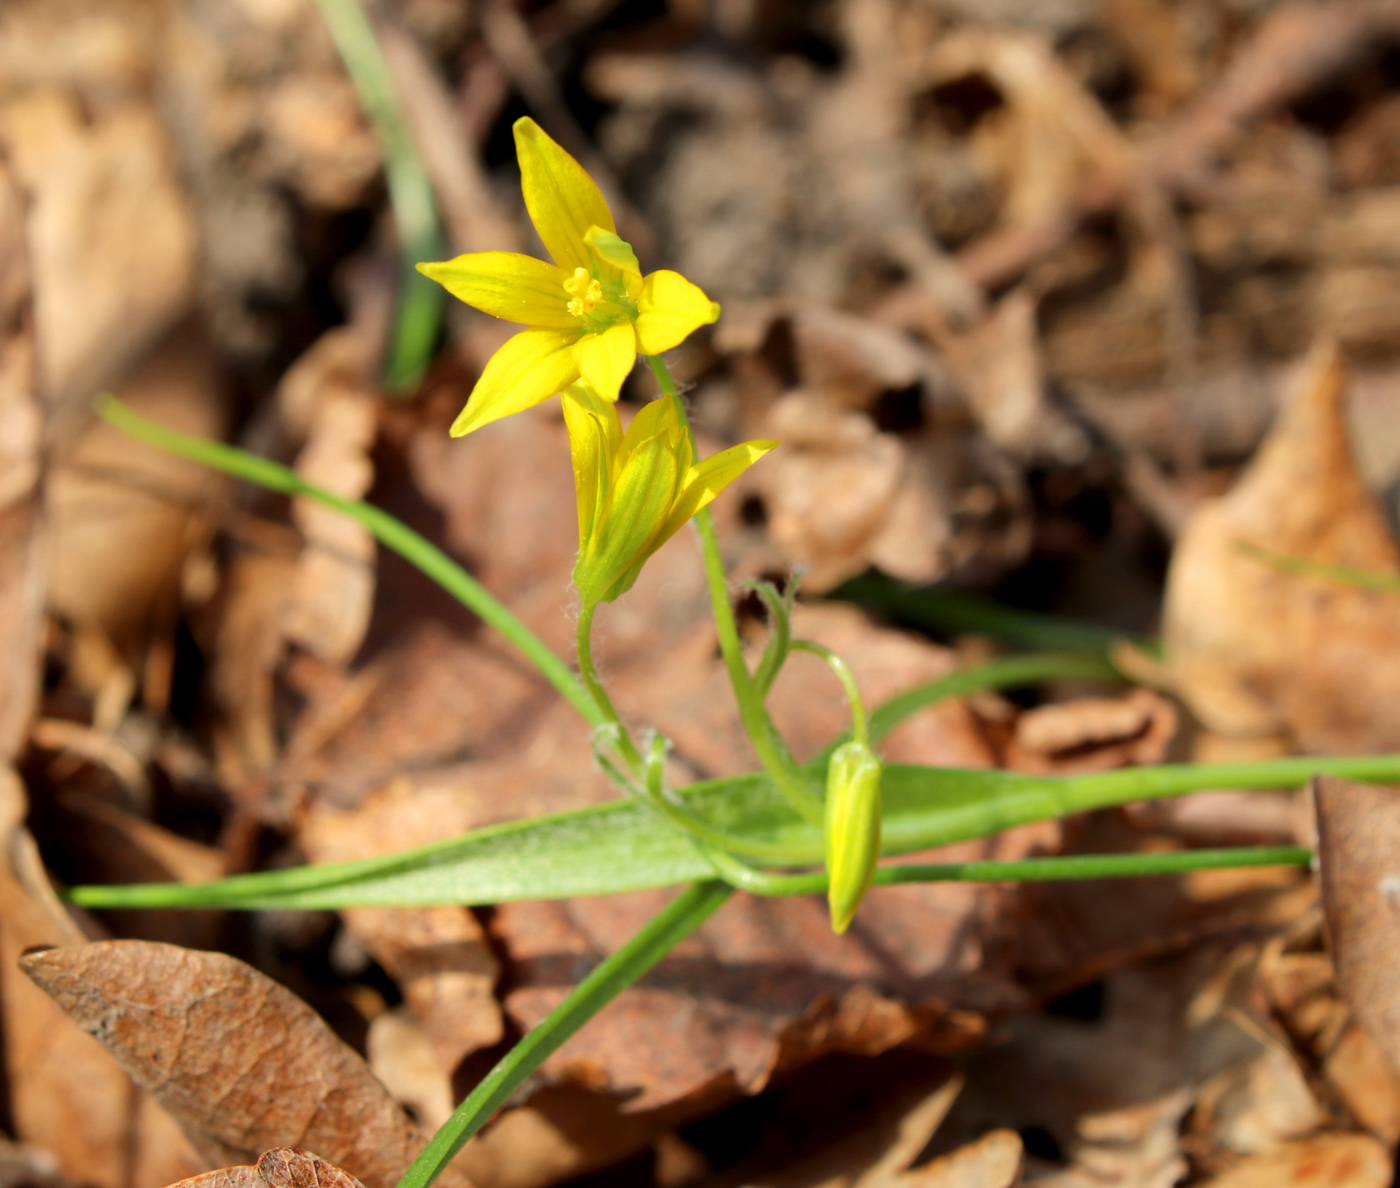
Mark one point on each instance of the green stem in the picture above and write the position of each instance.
(656, 794)
(1028, 870)
(772, 752)
(391, 533)
(420, 303)
(859, 730)
(1006, 672)
(682, 916)
(780, 636)
(600, 695)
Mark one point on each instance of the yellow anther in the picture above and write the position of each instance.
(584, 291)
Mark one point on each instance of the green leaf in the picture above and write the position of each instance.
(626, 846)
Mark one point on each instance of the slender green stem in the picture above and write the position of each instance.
(1028, 870)
(1007, 672)
(1003, 673)
(682, 916)
(658, 797)
(419, 310)
(780, 639)
(859, 730)
(600, 695)
(391, 533)
(772, 751)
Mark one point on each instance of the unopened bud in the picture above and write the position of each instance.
(852, 828)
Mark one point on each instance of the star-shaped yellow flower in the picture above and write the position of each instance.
(589, 313)
(636, 489)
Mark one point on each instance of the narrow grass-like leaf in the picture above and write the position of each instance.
(662, 933)
(625, 846)
(956, 612)
(419, 312)
(390, 532)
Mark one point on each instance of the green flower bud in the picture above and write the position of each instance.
(852, 828)
(636, 489)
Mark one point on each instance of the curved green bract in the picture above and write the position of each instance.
(626, 846)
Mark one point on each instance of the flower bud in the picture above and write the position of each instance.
(852, 828)
(636, 489)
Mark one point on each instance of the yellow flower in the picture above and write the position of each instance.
(636, 489)
(589, 313)
(852, 828)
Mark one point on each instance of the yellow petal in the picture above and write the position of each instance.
(655, 418)
(670, 309)
(528, 370)
(595, 434)
(605, 359)
(614, 254)
(562, 199)
(507, 285)
(709, 478)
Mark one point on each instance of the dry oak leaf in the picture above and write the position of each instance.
(284, 1167)
(66, 1094)
(1255, 650)
(1359, 860)
(241, 1062)
(1326, 1161)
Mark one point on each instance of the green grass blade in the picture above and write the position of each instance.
(392, 533)
(419, 312)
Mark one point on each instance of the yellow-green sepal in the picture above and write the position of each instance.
(852, 828)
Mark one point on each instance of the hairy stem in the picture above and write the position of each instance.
(772, 752)
(600, 695)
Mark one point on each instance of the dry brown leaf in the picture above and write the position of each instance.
(1254, 650)
(1359, 861)
(1093, 734)
(402, 1055)
(443, 964)
(111, 242)
(103, 843)
(67, 1095)
(22, 538)
(1327, 1161)
(126, 515)
(862, 1129)
(1257, 1106)
(241, 1062)
(326, 403)
(998, 362)
(1366, 1081)
(564, 1131)
(1054, 139)
(285, 1167)
(993, 1161)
